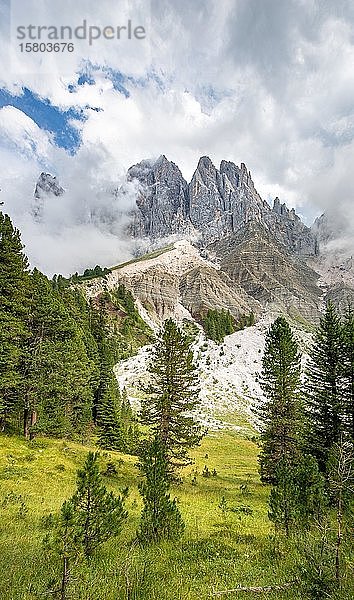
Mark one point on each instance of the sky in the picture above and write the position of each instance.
(266, 82)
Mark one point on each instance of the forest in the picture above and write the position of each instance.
(98, 501)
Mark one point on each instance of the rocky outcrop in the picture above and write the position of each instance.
(46, 186)
(214, 205)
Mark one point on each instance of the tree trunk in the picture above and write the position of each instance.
(65, 578)
(339, 536)
(26, 423)
(33, 422)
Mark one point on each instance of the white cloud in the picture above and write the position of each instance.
(269, 84)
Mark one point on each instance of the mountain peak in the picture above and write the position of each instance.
(213, 206)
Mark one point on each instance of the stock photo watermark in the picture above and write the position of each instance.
(45, 36)
(52, 38)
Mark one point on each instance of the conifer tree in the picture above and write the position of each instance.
(171, 396)
(14, 291)
(64, 541)
(99, 514)
(160, 517)
(298, 497)
(107, 395)
(110, 430)
(282, 412)
(324, 387)
(57, 393)
(348, 370)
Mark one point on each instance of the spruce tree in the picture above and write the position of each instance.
(107, 395)
(324, 387)
(282, 412)
(171, 395)
(57, 396)
(14, 291)
(160, 517)
(348, 370)
(99, 514)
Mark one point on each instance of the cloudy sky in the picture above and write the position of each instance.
(266, 82)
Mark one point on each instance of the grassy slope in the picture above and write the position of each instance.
(218, 550)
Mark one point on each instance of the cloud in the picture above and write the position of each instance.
(266, 83)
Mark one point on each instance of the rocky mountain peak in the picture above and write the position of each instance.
(46, 186)
(214, 205)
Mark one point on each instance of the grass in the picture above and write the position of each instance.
(221, 549)
(147, 256)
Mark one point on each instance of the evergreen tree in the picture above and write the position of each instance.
(348, 370)
(110, 430)
(64, 541)
(283, 507)
(324, 387)
(107, 395)
(99, 515)
(282, 412)
(298, 497)
(57, 394)
(171, 395)
(14, 289)
(160, 517)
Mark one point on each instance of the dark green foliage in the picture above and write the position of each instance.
(324, 385)
(298, 497)
(282, 413)
(99, 515)
(217, 324)
(172, 394)
(206, 472)
(60, 282)
(348, 370)
(57, 368)
(160, 517)
(14, 286)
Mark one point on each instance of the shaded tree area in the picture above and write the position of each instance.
(58, 353)
(219, 323)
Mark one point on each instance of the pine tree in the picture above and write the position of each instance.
(171, 396)
(283, 507)
(282, 412)
(110, 430)
(64, 541)
(324, 387)
(160, 517)
(99, 514)
(14, 291)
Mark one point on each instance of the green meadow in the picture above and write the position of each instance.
(228, 541)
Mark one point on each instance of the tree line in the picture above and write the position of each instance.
(58, 351)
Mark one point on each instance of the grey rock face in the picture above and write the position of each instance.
(214, 205)
(46, 186)
(162, 200)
